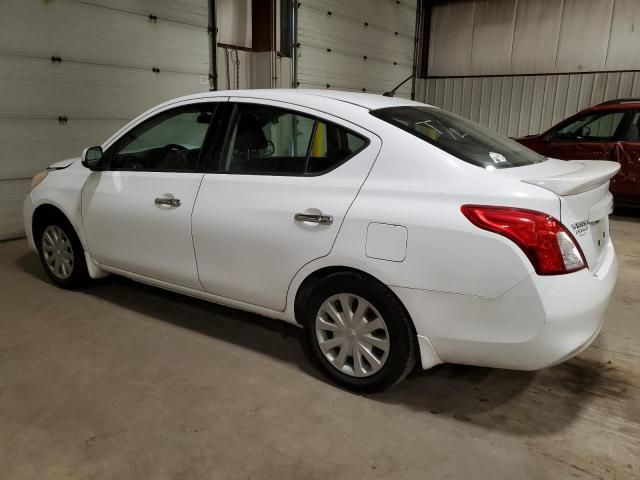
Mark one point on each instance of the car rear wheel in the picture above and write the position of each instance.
(61, 254)
(359, 332)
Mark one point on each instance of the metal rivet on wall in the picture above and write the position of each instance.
(328, 49)
(63, 119)
(366, 24)
(155, 70)
(365, 57)
(56, 59)
(153, 18)
(328, 86)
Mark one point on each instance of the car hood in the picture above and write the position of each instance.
(59, 165)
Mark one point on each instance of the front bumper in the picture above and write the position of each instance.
(27, 215)
(542, 321)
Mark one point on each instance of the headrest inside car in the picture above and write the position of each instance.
(250, 135)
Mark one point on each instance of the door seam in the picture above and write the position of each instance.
(286, 302)
(193, 244)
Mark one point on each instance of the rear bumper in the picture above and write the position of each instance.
(540, 322)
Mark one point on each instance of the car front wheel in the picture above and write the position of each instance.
(62, 255)
(359, 332)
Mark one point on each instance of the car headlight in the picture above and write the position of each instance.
(38, 178)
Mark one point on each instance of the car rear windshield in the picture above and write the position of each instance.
(460, 137)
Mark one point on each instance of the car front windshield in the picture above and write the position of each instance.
(460, 137)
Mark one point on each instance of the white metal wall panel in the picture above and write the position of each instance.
(364, 45)
(108, 50)
(584, 35)
(492, 39)
(451, 38)
(85, 33)
(502, 37)
(535, 38)
(12, 193)
(28, 151)
(194, 12)
(526, 104)
(37, 88)
(625, 36)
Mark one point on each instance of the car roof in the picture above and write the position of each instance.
(619, 104)
(368, 101)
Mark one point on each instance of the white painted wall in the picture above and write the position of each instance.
(493, 45)
(108, 49)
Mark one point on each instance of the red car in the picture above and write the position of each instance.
(609, 131)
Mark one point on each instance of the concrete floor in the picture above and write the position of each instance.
(126, 381)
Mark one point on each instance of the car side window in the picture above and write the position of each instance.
(595, 127)
(331, 146)
(265, 140)
(169, 141)
(633, 130)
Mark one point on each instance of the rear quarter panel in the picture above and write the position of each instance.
(420, 187)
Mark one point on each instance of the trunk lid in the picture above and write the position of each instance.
(585, 202)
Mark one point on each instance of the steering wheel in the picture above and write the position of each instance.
(169, 155)
(174, 147)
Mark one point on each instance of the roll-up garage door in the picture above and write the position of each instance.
(74, 71)
(360, 45)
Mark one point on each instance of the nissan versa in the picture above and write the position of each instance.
(392, 231)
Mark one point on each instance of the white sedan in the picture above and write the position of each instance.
(392, 231)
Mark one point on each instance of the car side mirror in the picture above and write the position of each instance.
(547, 138)
(91, 158)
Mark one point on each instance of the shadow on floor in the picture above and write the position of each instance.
(522, 403)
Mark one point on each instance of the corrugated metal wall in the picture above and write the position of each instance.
(361, 45)
(519, 66)
(522, 105)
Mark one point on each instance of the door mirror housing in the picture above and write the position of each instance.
(91, 158)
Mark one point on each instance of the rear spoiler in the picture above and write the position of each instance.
(587, 175)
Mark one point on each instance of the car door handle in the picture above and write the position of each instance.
(169, 202)
(311, 218)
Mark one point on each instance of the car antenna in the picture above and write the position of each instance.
(393, 92)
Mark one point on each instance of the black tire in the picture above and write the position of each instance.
(402, 352)
(79, 275)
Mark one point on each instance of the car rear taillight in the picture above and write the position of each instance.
(545, 241)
